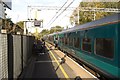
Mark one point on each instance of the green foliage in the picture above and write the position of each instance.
(44, 32)
(112, 4)
(52, 30)
(56, 29)
(21, 24)
(86, 16)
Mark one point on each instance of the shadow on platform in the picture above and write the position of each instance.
(39, 67)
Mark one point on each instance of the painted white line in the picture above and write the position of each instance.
(62, 69)
(83, 68)
(80, 66)
(46, 61)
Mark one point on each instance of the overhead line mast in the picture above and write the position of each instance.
(72, 8)
(115, 10)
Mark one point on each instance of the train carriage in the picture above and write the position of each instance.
(96, 44)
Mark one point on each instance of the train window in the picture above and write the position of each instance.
(62, 40)
(77, 43)
(104, 47)
(74, 42)
(71, 41)
(86, 44)
(66, 41)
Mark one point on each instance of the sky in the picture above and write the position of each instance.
(19, 11)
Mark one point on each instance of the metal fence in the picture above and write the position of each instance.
(27, 48)
(15, 50)
(3, 56)
(17, 64)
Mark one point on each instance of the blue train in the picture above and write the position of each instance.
(95, 44)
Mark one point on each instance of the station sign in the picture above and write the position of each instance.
(37, 23)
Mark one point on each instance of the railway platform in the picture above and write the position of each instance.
(54, 65)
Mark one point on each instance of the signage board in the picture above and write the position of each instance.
(37, 23)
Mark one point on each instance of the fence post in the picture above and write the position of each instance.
(10, 56)
(22, 52)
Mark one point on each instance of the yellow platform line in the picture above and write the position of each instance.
(63, 71)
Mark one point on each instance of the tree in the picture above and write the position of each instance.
(56, 29)
(44, 32)
(89, 16)
(21, 24)
(52, 31)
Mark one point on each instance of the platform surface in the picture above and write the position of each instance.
(50, 65)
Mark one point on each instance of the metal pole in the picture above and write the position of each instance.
(94, 15)
(36, 14)
(78, 15)
(24, 27)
